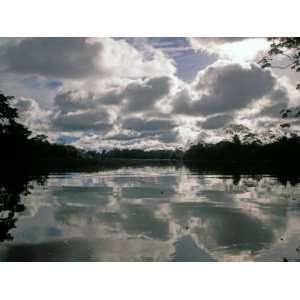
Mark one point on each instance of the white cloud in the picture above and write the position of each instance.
(226, 87)
(104, 93)
(81, 58)
(31, 114)
(234, 48)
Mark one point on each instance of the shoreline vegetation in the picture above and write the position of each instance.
(25, 159)
(242, 152)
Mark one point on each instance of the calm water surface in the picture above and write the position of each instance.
(151, 214)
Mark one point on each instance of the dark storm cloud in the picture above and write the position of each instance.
(226, 88)
(216, 122)
(56, 57)
(142, 96)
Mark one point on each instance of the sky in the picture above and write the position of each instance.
(150, 93)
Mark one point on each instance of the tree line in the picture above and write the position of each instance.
(20, 148)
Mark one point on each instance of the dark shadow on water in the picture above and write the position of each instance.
(283, 173)
(12, 187)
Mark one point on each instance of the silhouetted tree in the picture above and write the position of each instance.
(287, 48)
(9, 127)
(13, 135)
(242, 149)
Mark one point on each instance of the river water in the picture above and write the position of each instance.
(150, 213)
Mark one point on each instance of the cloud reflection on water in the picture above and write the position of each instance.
(145, 213)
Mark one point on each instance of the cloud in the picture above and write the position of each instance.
(234, 48)
(168, 136)
(273, 110)
(82, 58)
(213, 45)
(132, 96)
(72, 100)
(103, 92)
(31, 114)
(78, 110)
(123, 136)
(216, 122)
(199, 41)
(111, 97)
(142, 96)
(54, 57)
(163, 130)
(82, 121)
(6, 42)
(137, 130)
(138, 124)
(225, 88)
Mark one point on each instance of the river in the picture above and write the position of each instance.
(150, 213)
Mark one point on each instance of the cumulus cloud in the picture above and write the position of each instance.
(213, 45)
(111, 97)
(142, 96)
(163, 130)
(81, 58)
(234, 48)
(80, 111)
(218, 96)
(71, 101)
(123, 136)
(31, 114)
(168, 136)
(224, 88)
(138, 124)
(102, 110)
(82, 121)
(55, 57)
(199, 42)
(135, 95)
(216, 122)
(103, 93)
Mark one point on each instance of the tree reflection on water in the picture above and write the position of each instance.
(12, 187)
